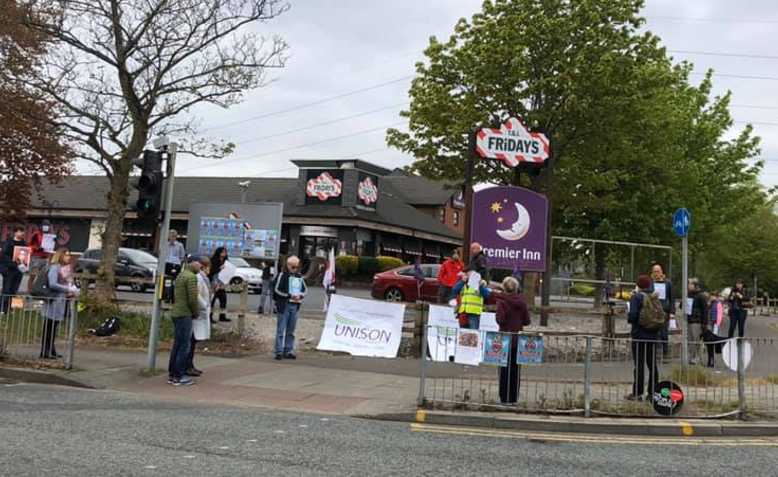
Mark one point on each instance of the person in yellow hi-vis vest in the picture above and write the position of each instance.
(471, 299)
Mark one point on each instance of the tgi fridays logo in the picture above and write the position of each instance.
(324, 187)
(367, 191)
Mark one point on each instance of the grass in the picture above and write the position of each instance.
(772, 379)
(699, 376)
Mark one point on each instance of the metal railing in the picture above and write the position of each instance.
(592, 375)
(27, 334)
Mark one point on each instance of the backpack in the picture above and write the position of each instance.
(40, 287)
(108, 328)
(652, 316)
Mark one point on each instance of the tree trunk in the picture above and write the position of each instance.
(112, 235)
(530, 290)
(599, 274)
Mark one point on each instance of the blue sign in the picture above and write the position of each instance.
(530, 350)
(682, 222)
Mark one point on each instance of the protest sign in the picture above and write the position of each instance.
(496, 348)
(442, 333)
(468, 350)
(488, 322)
(530, 350)
(362, 327)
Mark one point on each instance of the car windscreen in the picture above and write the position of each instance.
(139, 256)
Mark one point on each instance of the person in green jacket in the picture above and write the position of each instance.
(185, 308)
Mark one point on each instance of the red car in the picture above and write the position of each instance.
(400, 284)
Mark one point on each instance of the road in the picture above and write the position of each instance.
(49, 430)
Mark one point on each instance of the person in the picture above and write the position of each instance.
(201, 325)
(512, 317)
(219, 289)
(266, 299)
(738, 309)
(711, 329)
(176, 257)
(289, 294)
(478, 261)
(471, 300)
(696, 317)
(11, 268)
(664, 289)
(61, 289)
(644, 343)
(448, 276)
(185, 308)
(40, 256)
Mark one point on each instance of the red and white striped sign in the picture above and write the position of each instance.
(512, 144)
(324, 187)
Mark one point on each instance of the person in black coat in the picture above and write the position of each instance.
(11, 269)
(663, 285)
(644, 343)
(738, 309)
(478, 261)
(219, 289)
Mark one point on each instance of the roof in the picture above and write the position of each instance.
(417, 190)
(341, 164)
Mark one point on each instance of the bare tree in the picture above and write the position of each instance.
(126, 69)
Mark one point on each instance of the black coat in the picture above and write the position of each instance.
(638, 332)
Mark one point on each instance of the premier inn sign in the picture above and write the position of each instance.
(512, 144)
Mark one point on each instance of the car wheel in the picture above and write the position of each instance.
(394, 294)
(138, 287)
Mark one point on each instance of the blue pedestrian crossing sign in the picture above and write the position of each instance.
(682, 222)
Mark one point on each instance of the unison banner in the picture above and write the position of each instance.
(362, 327)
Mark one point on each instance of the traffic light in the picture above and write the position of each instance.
(149, 185)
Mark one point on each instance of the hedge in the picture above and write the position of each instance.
(346, 265)
(388, 263)
(349, 265)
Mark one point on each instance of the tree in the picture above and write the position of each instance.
(30, 150)
(631, 138)
(128, 69)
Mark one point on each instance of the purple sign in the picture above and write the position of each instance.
(510, 224)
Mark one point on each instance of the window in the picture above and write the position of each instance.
(407, 272)
(456, 217)
(442, 215)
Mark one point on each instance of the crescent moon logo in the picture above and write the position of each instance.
(520, 228)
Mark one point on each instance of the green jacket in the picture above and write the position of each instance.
(186, 304)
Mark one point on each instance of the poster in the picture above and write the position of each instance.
(661, 290)
(496, 348)
(468, 349)
(689, 306)
(442, 327)
(22, 255)
(48, 243)
(530, 350)
(488, 322)
(362, 327)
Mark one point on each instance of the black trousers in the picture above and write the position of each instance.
(510, 376)
(47, 340)
(644, 356)
(737, 318)
(221, 295)
(190, 356)
(12, 280)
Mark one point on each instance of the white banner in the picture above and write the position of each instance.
(442, 333)
(362, 327)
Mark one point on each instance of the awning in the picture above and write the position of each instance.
(390, 244)
(412, 247)
(431, 249)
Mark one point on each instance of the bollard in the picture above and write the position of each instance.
(71, 335)
(243, 308)
(588, 378)
(741, 380)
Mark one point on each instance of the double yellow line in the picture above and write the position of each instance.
(597, 439)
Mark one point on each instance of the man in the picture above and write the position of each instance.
(471, 300)
(289, 293)
(696, 314)
(185, 308)
(11, 268)
(643, 342)
(40, 256)
(663, 288)
(448, 276)
(176, 256)
(478, 261)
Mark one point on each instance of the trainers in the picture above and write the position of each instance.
(290, 356)
(279, 357)
(170, 380)
(185, 381)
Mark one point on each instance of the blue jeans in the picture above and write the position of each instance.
(179, 354)
(287, 322)
(474, 322)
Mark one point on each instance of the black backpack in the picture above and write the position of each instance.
(108, 328)
(40, 287)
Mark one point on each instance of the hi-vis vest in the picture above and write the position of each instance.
(472, 301)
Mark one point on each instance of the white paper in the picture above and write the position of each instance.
(227, 272)
(442, 331)
(474, 280)
(48, 242)
(362, 327)
(468, 350)
(488, 322)
(673, 324)
(689, 306)
(661, 290)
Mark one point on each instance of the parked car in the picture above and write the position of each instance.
(246, 273)
(400, 284)
(130, 263)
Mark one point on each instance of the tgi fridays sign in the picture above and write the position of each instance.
(324, 187)
(367, 191)
(512, 144)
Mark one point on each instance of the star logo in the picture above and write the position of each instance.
(496, 207)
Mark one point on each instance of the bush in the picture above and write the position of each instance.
(388, 263)
(368, 266)
(346, 265)
(582, 289)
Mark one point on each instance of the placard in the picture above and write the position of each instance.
(496, 348)
(362, 327)
(660, 288)
(530, 350)
(468, 350)
(442, 327)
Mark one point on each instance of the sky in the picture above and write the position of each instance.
(351, 64)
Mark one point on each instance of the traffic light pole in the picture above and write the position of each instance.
(159, 276)
(683, 322)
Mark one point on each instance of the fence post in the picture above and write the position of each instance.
(243, 309)
(741, 380)
(71, 335)
(423, 376)
(588, 378)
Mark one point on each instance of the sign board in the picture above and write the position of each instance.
(324, 186)
(367, 190)
(729, 354)
(512, 144)
(458, 200)
(245, 230)
(362, 327)
(468, 349)
(510, 224)
(667, 399)
(496, 348)
(530, 350)
(682, 222)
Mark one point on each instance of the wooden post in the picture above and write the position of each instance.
(243, 309)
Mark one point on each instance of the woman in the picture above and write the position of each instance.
(512, 317)
(61, 288)
(219, 291)
(644, 343)
(738, 309)
(266, 299)
(201, 326)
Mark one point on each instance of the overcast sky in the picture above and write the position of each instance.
(364, 51)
